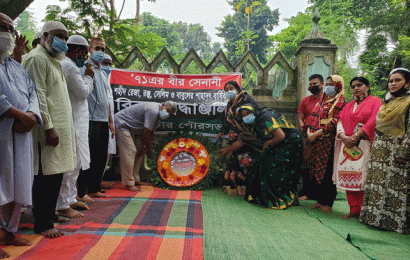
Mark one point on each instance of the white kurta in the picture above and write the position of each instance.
(55, 106)
(79, 89)
(16, 150)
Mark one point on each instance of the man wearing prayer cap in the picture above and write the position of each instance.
(54, 142)
(19, 113)
(79, 88)
(135, 127)
(101, 122)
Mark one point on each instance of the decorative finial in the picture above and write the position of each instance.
(316, 35)
(316, 16)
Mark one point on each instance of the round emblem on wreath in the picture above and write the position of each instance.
(183, 162)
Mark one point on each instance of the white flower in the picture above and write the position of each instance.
(203, 154)
(162, 158)
(181, 144)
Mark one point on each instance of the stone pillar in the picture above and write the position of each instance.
(316, 55)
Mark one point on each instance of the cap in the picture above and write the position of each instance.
(77, 40)
(53, 25)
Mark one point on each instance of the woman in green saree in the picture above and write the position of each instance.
(273, 177)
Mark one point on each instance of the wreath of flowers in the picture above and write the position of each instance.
(192, 147)
(212, 176)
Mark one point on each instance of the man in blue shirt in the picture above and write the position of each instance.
(100, 124)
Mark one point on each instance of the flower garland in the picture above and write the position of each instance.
(189, 158)
(206, 173)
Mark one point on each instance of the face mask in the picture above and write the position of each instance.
(106, 69)
(98, 56)
(250, 119)
(163, 114)
(314, 89)
(6, 42)
(79, 62)
(230, 94)
(330, 91)
(399, 92)
(59, 45)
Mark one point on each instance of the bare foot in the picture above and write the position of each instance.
(303, 197)
(8, 238)
(79, 205)
(132, 188)
(326, 209)
(4, 254)
(69, 213)
(87, 199)
(139, 183)
(317, 205)
(52, 233)
(351, 215)
(98, 195)
(61, 219)
(105, 185)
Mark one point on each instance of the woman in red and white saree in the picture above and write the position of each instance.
(355, 133)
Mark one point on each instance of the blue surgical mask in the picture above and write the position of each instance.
(59, 45)
(79, 62)
(330, 91)
(163, 114)
(107, 69)
(249, 119)
(98, 56)
(230, 94)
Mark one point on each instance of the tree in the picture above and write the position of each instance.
(13, 8)
(92, 18)
(261, 20)
(26, 25)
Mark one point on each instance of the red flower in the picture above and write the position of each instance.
(185, 140)
(172, 150)
(191, 149)
(203, 169)
(168, 154)
(178, 179)
(197, 151)
(191, 177)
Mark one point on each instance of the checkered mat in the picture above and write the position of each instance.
(150, 224)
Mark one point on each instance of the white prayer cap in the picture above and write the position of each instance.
(77, 40)
(53, 25)
(172, 104)
(107, 57)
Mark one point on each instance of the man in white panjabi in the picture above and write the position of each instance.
(79, 88)
(54, 142)
(19, 113)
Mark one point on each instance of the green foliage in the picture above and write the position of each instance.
(261, 20)
(211, 179)
(26, 25)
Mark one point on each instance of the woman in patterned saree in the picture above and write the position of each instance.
(355, 133)
(320, 131)
(239, 160)
(273, 177)
(386, 199)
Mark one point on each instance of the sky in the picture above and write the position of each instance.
(209, 13)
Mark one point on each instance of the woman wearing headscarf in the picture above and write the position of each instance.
(239, 157)
(273, 177)
(320, 131)
(355, 134)
(386, 192)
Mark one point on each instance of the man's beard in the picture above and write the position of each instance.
(53, 53)
(4, 55)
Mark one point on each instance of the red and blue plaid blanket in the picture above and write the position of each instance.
(150, 224)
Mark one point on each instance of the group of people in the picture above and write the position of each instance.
(58, 128)
(361, 147)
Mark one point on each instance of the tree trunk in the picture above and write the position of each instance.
(14, 8)
(137, 15)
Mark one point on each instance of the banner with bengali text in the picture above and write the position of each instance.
(201, 98)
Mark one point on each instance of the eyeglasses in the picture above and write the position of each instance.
(5, 28)
(98, 48)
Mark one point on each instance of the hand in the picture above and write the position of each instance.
(400, 160)
(89, 71)
(52, 137)
(222, 152)
(310, 136)
(266, 145)
(21, 43)
(24, 122)
(112, 129)
(348, 141)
